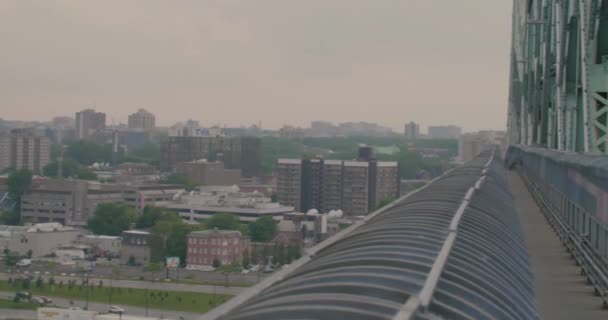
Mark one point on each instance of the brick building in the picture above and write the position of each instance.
(224, 245)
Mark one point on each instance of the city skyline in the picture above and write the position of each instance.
(275, 62)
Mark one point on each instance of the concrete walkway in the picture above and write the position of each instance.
(561, 292)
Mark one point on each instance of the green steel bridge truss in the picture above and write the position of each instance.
(559, 75)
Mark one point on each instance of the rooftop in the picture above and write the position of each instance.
(214, 232)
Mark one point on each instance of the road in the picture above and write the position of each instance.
(18, 314)
(138, 284)
(136, 273)
(561, 292)
(103, 308)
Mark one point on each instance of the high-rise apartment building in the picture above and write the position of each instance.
(445, 132)
(24, 149)
(331, 185)
(356, 187)
(236, 152)
(88, 122)
(289, 183)
(142, 119)
(412, 131)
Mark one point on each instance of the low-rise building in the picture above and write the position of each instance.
(39, 240)
(225, 246)
(209, 173)
(142, 195)
(103, 246)
(208, 200)
(135, 247)
(69, 202)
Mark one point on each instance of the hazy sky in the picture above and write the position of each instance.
(237, 62)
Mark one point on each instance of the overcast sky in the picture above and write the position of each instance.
(233, 62)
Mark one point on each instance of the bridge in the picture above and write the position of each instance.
(520, 233)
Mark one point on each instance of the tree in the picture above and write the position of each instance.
(169, 237)
(246, 261)
(223, 221)
(383, 203)
(179, 179)
(10, 217)
(18, 183)
(69, 168)
(111, 219)
(217, 263)
(294, 250)
(11, 258)
(263, 229)
(281, 257)
(149, 217)
(87, 153)
(39, 282)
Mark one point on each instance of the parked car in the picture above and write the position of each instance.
(47, 300)
(116, 309)
(24, 263)
(23, 295)
(37, 300)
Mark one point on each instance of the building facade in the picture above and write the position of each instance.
(24, 149)
(356, 187)
(235, 152)
(139, 196)
(103, 246)
(289, 182)
(142, 119)
(412, 131)
(69, 202)
(206, 201)
(135, 247)
(88, 122)
(38, 240)
(208, 173)
(225, 246)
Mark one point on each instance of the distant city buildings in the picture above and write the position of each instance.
(444, 132)
(356, 187)
(24, 149)
(192, 128)
(73, 202)
(203, 172)
(142, 120)
(235, 152)
(88, 122)
(472, 144)
(208, 200)
(223, 246)
(412, 131)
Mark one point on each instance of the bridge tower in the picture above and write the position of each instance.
(559, 75)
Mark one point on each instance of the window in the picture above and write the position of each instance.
(235, 241)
